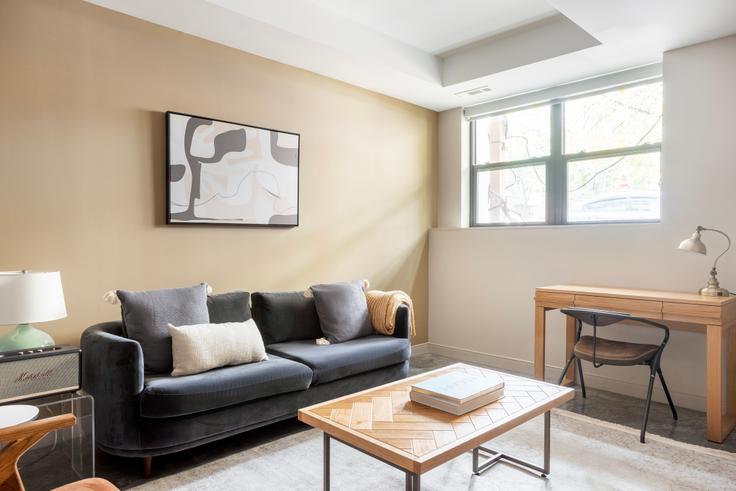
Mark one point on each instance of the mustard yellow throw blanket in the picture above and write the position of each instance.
(382, 307)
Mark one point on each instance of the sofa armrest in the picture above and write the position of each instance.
(112, 372)
(401, 323)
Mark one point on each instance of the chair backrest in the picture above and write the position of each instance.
(595, 317)
(600, 318)
(19, 439)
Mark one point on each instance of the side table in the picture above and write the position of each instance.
(64, 455)
(15, 414)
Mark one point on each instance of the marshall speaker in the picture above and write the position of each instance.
(39, 372)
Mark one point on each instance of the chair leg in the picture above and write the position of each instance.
(649, 403)
(667, 393)
(564, 370)
(580, 372)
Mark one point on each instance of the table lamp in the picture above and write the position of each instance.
(694, 244)
(27, 297)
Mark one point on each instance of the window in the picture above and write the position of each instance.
(587, 159)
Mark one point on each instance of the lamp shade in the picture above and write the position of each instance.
(30, 296)
(693, 244)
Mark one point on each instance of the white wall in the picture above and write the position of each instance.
(453, 201)
(482, 280)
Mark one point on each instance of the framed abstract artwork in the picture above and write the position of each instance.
(225, 173)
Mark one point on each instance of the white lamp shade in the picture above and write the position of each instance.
(31, 296)
(693, 244)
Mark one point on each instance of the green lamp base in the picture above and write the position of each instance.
(25, 336)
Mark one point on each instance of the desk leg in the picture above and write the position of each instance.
(569, 345)
(539, 333)
(731, 376)
(719, 425)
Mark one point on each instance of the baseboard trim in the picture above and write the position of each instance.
(503, 362)
(420, 349)
(526, 367)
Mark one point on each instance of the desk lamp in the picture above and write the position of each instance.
(694, 244)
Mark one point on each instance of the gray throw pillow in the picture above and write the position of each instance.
(342, 310)
(229, 307)
(285, 316)
(147, 314)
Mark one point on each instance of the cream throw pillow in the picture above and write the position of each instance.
(201, 347)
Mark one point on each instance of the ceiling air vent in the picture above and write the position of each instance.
(474, 91)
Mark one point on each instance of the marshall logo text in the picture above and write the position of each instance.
(27, 376)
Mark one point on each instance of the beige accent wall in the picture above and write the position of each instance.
(83, 93)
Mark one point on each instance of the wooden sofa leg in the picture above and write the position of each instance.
(147, 461)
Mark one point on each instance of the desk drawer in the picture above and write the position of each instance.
(553, 299)
(688, 312)
(651, 309)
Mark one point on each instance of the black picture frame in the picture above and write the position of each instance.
(175, 218)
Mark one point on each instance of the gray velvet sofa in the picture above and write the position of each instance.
(144, 415)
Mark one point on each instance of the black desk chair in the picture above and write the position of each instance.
(602, 351)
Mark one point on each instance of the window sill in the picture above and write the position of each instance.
(585, 225)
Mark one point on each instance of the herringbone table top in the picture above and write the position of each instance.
(385, 423)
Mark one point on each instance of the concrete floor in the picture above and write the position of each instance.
(607, 406)
(620, 409)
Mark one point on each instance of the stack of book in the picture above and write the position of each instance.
(457, 392)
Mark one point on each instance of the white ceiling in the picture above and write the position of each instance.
(436, 26)
(428, 51)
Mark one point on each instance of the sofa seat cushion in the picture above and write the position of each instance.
(165, 397)
(335, 361)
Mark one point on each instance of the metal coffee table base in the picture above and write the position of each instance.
(496, 456)
(413, 481)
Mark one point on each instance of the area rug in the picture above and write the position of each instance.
(587, 454)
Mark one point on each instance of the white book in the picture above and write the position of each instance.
(459, 387)
(454, 408)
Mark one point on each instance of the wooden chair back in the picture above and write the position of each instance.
(18, 439)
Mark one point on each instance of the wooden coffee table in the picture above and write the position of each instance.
(384, 423)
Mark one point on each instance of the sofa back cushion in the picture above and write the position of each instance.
(147, 314)
(343, 310)
(285, 316)
(229, 307)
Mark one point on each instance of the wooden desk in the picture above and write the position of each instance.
(716, 316)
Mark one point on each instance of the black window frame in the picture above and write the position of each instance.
(556, 163)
